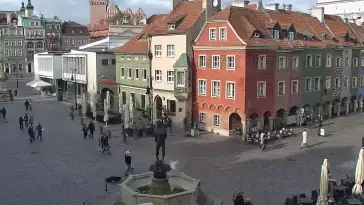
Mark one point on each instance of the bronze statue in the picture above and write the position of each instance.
(160, 134)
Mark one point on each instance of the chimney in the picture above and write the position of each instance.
(319, 13)
(274, 7)
(260, 5)
(8, 17)
(289, 7)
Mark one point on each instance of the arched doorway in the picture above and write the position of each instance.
(292, 118)
(266, 120)
(103, 96)
(326, 110)
(293, 111)
(334, 109)
(352, 105)
(280, 119)
(158, 104)
(253, 121)
(316, 111)
(343, 106)
(30, 45)
(235, 121)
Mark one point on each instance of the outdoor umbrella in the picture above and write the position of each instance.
(324, 184)
(359, 174)
(108, 100)
(106, 114)
(84, 104)
(93, 104)
(126, 116)
(32, 82)
(131, 109)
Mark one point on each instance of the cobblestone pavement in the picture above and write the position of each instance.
(64, 169)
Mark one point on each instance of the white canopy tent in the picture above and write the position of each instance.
(31, 82)
(40, 84)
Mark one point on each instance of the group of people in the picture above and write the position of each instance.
(85, 129)
(26, 122)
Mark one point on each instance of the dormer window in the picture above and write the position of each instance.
(324, 36)
(334, 39)
(171, 26)
(291, 36)
(256, 35)
(73, 31)
(276, 34)
(313, 38)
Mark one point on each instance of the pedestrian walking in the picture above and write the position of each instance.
(31, 121)
(31, 134)
(304, 139)
(3, 113)
(21, 123)
(26, 104)
(91, 127)
(39, 129)
(26, 120)
(262, 140)
(84, 130)
(128, 162)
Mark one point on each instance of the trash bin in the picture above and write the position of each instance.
(322, 132)
(59, 94)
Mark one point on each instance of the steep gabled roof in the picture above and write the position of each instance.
(339, 29)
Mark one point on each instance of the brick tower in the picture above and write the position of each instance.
(98, 10)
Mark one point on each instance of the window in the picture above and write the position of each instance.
(308, 61)
(170, 50)
(355, 62)
(129, 58)
(230, 90)
(294, 87)
(256, 35)
(20, 67)
(132, 96)
(215, 88)
(180, 79)
(13, 43)
(144, 74)
(113, 61)
(144, 58)
(202, 117)
(261, 61)
(216, 62)
(20, 43)
(158, 51)
(276, 34)
(316, 84)
(142, 100)
(136, 73)
(308, 84)
(230, 62)
(328, 82)
(281, 88)
(328, 60)
(158, 75)
(346, 60)
(129, 73)
(362, 61)
(295, 62)
(216, 120)
(291, 36)
(202, 61)
(122, 72)
(222, 33)
(361, 81)
(171, 106)
(7, 52)
(261, 89)
(19, 52)
(337, 82)
(104, 61)
(317, 60)
(136, 58)
(338, 61)
(13, 52)
(170, 76)
(346, 81)
(212, 33)
(122, 58)
(354, 82)
(123, 96)
(6, 43)
(202, 87)
(282, 62)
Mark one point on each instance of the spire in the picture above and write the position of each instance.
(29, 5)
(260, 5)
(22, 8)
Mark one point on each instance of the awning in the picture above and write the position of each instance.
(41, 84)
(107, 82)
(32, 82)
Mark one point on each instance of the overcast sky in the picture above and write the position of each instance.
(78, 10)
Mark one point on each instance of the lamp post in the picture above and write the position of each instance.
(322, 94)
(17, 77)
(149, 90)
(74, 79)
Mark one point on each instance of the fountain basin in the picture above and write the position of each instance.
(184, 190)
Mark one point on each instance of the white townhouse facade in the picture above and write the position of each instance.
(352, 10)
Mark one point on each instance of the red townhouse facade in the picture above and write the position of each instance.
(234, 75)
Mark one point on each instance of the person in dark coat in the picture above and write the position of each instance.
(91, 127)
(31, 134)
(26, 120)
(21, 123)
(39, 129)
(128, 162)
(3, 112)
(84, 130)
(26, 104)
(160, 134)
(31, 121)
(16, 92)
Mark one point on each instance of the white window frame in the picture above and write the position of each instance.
(284, 88)
(346, 81)
(170, 77)
(276, 34)
(158, 52)
(222, 38)
(213, 88)
(281, 67)
(218, 119)
(228, 67)
(328, 60)
(354, 82)
(213, 62)
(291, 35)
(136, 58)
(202, 64)
(260, 66)
(318, 85)
(170, 51)
(362, 62)
(308, 63)
(144, 58)
(144, 74)
(264, 95)
(338, 61)
(328, 82)
(295, 64)
(158, 75)
(20, 43)
(337, 82)
(136, 73)
(227, 96)
(129, 58)
(295, 91)
(199, 87)
(211, 37)
(346, 60)
(202, 117)
(355, 62)
(6, 42)
(319, 63)
(183, 84)
(308, 88)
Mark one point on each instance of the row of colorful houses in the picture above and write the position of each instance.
(246, 65)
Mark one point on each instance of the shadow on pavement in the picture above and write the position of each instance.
(277, 146)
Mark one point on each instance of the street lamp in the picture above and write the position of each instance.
(17, 77)
(322, 94)
(149, 90)
(74, 79)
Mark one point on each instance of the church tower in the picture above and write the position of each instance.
(98, 10)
